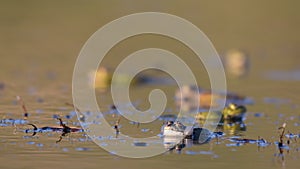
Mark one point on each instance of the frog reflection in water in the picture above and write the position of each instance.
(177, 136)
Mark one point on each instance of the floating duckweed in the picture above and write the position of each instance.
(65, 149)
(140, 144)
(73, 113)
(82, 149)
(31, 142)
(283, 146)
(39, 111)
(103, 144)
(133, 123)
(191, 152)
(67, 116)
(167, 117)
(55, 116)
(96, 122)
(234, 145)
(263, 144)
(82, 139)
(145, 130)
(199, 152)
(206, 152)
(258, 114)
(40, 145)
(237, 140)
(292, 136)
(28, 137)
(99, 116)
(269, 100)
(218, 134)
(113, 153)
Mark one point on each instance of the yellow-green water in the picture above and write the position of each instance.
(40, 41)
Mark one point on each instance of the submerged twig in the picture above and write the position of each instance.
(116, 127)
(280, 144)
(62, 128)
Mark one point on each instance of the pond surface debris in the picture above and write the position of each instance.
(176, 136)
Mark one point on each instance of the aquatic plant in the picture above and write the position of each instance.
(14, 122)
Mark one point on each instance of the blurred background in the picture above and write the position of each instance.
(40, 41)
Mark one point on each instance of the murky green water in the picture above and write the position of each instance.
(39, 44)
